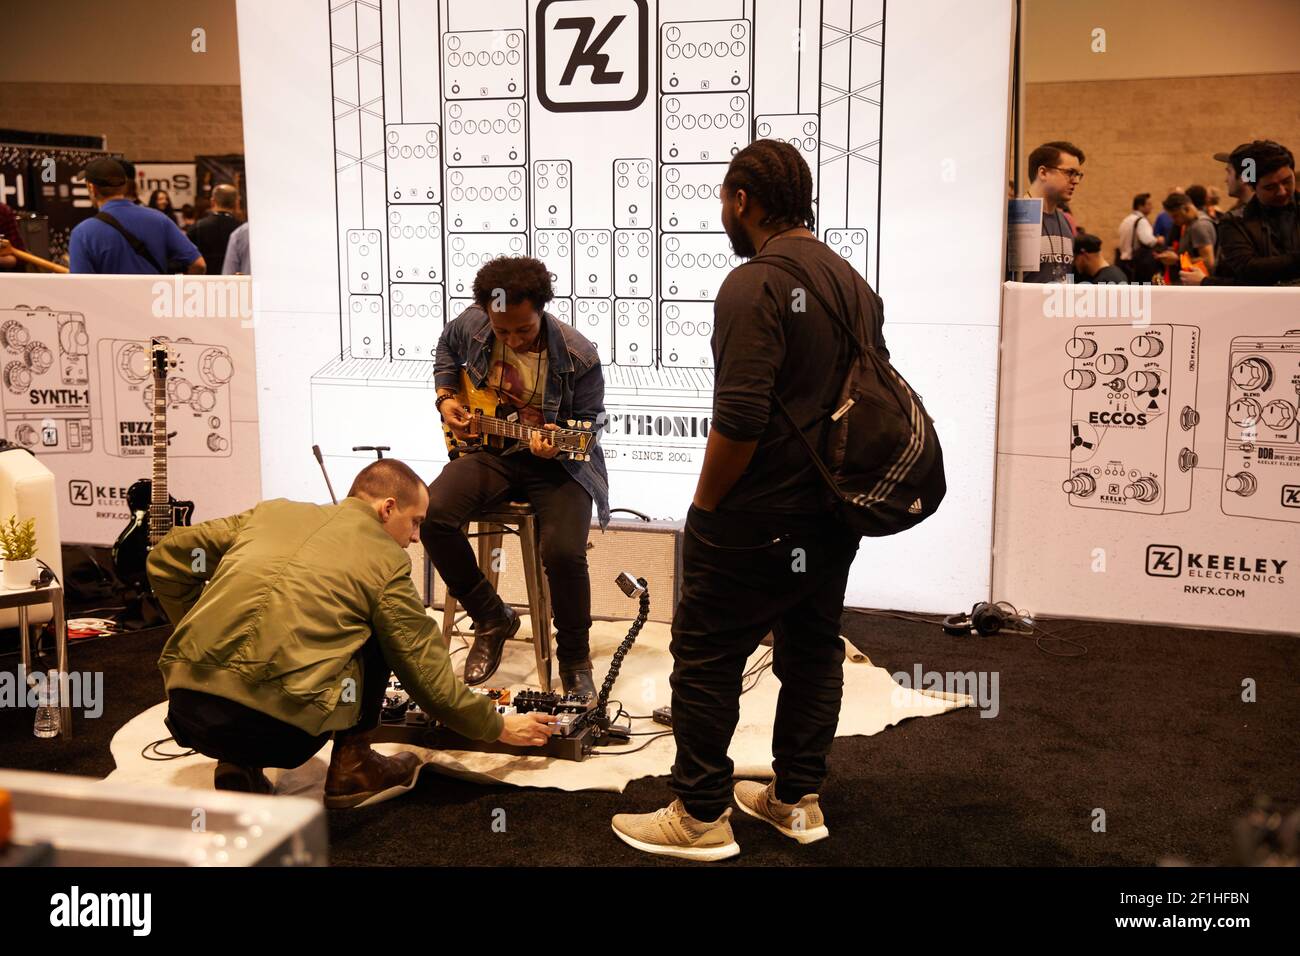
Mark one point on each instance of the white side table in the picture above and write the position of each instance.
(22, 599)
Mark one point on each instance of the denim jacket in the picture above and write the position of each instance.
(575, 384)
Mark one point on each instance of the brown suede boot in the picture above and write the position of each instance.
(357, 773)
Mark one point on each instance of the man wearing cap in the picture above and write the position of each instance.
(125, 238)
(1239, 190)
(1261, 246)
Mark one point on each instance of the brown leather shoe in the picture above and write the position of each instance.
(241, 779)
(357, 773)
(484, 656)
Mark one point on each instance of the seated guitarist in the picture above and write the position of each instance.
(544, 370)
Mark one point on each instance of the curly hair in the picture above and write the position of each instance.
(774, 174)
(518, 277)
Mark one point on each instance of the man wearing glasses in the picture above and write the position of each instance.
(1054, 171)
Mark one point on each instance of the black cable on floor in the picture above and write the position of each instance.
(160, 755)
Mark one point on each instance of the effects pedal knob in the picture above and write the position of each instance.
(1278, 414)
(217, 443)
(133, 363)
(1145, 490)
(1081, 348)
(14, 335)
(1244, 412)
(26, 434)
(18, 377)
(1144, 381)
(179, 391)
(39, 357)
(1078, 378)
(1146, 346)
(1243, 483)
(215, 366)
(1112, 363)
(1080, 484)
(203, 399)
(1252, 374)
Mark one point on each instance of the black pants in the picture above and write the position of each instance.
(744, 575)
(225, 730)
(476, 481)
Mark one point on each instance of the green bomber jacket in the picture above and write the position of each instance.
(272, 605)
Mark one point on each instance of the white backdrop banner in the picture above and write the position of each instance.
(1149, 454)
(78, 390)
(395, 145)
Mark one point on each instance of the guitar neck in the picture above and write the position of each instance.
(160, 512)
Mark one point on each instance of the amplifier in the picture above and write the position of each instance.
(652, 548)
(35, 232)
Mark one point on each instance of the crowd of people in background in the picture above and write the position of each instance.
(1192, 241)
(128, 237)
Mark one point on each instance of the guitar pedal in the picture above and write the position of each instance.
(483, 64)
(46, 380)
(700, 56)
(593, 320)
(851, 244)
(800, 130)
(692, 197)
(486, 200)
(413, 162)
(418, 320)
(693, 265)
(364, 277)
(703, 127)
(562, 309)
(1261, 460)
(366, 326)
(1133, 427)
(554, 247)
(469, 251)
(633, 332)
(415, 243)
(552, 194)
(686, 335)
(485, 133)
(593, 263)
(633, 193)
(632, 260)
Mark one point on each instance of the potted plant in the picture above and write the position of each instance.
(18, 545)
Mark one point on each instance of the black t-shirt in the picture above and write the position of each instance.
(210, 234)
(761, 343)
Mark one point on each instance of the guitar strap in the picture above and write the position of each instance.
(140, 248)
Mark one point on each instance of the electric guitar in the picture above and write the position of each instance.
(490, 426)
(153, 511)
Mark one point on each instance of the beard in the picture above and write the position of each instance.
(740, 241)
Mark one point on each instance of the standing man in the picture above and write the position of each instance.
(762, 551)
(1195, 238)
(212, 232)
(126, 238)
(1262, 245)
(1054, 171)
(1138, 242)
(289, 619)
(543, 370)
(1237, 187)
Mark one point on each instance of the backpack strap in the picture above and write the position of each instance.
(140, 248)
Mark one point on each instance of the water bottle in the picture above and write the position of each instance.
(47, 708)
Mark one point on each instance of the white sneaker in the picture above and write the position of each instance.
(671, 831)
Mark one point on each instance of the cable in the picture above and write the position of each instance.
(154, 745)
(624, 753)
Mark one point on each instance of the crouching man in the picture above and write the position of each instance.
(289, 619)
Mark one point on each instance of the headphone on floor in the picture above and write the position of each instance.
(984, 619)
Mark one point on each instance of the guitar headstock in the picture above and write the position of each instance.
(577, 438)
(162, 359)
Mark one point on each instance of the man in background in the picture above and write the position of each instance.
(9, 232)
(1262, 245)
(290, 618)
(212, 232)
(1138, 241)
(1237, 187)
(1054, 171)
(1089, 263)
(1165, 227)
(1195, 238)
(238, 261)
(126, 238)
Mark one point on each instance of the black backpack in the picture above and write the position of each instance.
(882, 461)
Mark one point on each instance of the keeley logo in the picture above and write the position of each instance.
(81, 492)
(1291, 496)
(1164, 560)
(75, 908)
(592, 55)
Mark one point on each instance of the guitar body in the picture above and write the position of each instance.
(491, 428)
(131, 549)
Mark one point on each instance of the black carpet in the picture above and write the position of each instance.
(1149, 726)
